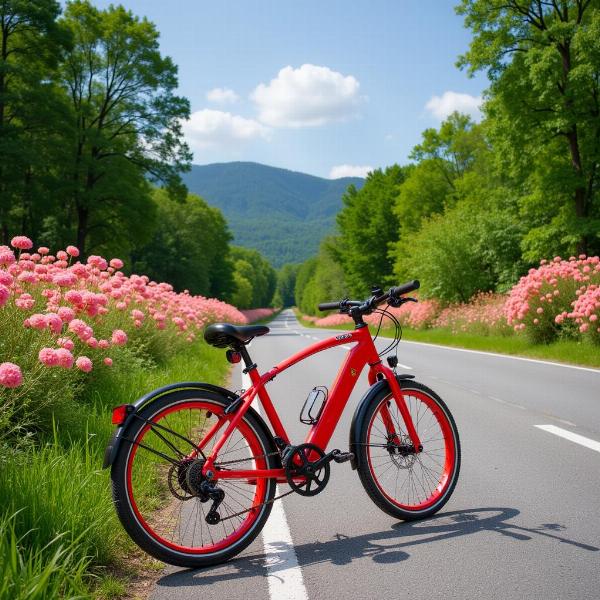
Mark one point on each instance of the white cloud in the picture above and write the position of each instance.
(222, 96)
(307, 97)
(349, 171)
(208, 128)
(444, 105)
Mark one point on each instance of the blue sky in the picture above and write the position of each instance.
(313, 85)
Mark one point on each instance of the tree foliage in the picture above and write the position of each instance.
(368, 224)
(254, 277)
(543, 60)
(189, 247)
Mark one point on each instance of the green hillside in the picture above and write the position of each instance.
(282, 213)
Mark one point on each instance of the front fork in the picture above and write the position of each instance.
(375, 374)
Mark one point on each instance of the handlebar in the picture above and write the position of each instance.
(394, 293)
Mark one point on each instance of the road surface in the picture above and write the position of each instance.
(524, 520)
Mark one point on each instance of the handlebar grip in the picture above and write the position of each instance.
(405, 288)
(329, 305)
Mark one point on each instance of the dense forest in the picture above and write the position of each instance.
(480, 203)
(92, 151)
(283, 214)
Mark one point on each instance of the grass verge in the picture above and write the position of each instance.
(566, 351)
(55, 502)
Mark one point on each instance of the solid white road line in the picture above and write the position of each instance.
(508, 356)
(283, 572)
(572, 437)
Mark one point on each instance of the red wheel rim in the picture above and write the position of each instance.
(418, 481)
(223, 537)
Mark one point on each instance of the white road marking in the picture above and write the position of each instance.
(533, 360)
(572, 437)
(283, 572)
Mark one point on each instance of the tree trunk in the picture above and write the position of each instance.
(580, 194)
(82, 225)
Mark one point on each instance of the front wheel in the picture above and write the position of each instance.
(406, 484)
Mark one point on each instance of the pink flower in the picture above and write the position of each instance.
(83, 363)
(25, 302)
(43, 250)
(7, 256)
(38, 321)
(10, 375)
(62, 255)
(97, 261)
(21, 242)
(66, 279)
(104, 344)
(4, 294)
(54, 322)
(66, 314)
(108, 361)
(65, 358)
(49, 357)
(116, 263)
(66, 342)
(119, 337)
(5, 278)
(73, 251)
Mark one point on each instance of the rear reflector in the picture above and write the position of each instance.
(119, 414)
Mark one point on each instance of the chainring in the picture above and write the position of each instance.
(298, 464)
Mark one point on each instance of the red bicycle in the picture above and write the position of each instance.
(195, 467)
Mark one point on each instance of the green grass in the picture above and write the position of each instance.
(61, 496)
(568, 351)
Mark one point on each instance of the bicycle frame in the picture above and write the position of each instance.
(363, 353)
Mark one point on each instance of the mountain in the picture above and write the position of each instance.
(282, 213)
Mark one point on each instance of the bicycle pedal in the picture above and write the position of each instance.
(342, 457)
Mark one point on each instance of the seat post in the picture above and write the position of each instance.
(246, 358)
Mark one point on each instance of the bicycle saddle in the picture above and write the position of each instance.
(222, 335)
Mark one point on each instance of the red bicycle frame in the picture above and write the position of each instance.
(363, 353)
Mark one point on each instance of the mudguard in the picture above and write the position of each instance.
(361, 409)
(116, 439)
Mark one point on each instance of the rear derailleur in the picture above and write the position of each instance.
(186, 481)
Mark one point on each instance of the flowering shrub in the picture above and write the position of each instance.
(586, 313)
(542, 303)
(418, 315)
(482, 315)
(333, 320)
(61, 318)
(257, 314)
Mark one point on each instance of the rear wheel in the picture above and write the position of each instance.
(407, 484)
(157, 481)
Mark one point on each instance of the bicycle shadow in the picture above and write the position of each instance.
(389, 546)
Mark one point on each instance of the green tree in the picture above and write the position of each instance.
(321, 279)
(543, 60)
(253, 269)
(189, 247)
(125, 124)
(471, 247)
(31, 43)
(368, 225)
(286, 284)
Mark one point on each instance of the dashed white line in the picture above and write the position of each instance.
(572, 437)
(283, 571)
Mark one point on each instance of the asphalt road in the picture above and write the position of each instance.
(524, 520)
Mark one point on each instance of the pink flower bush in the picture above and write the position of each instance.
(482, 315)
(92, 308)
(256, 314)
(10, 375)
(541, 304)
